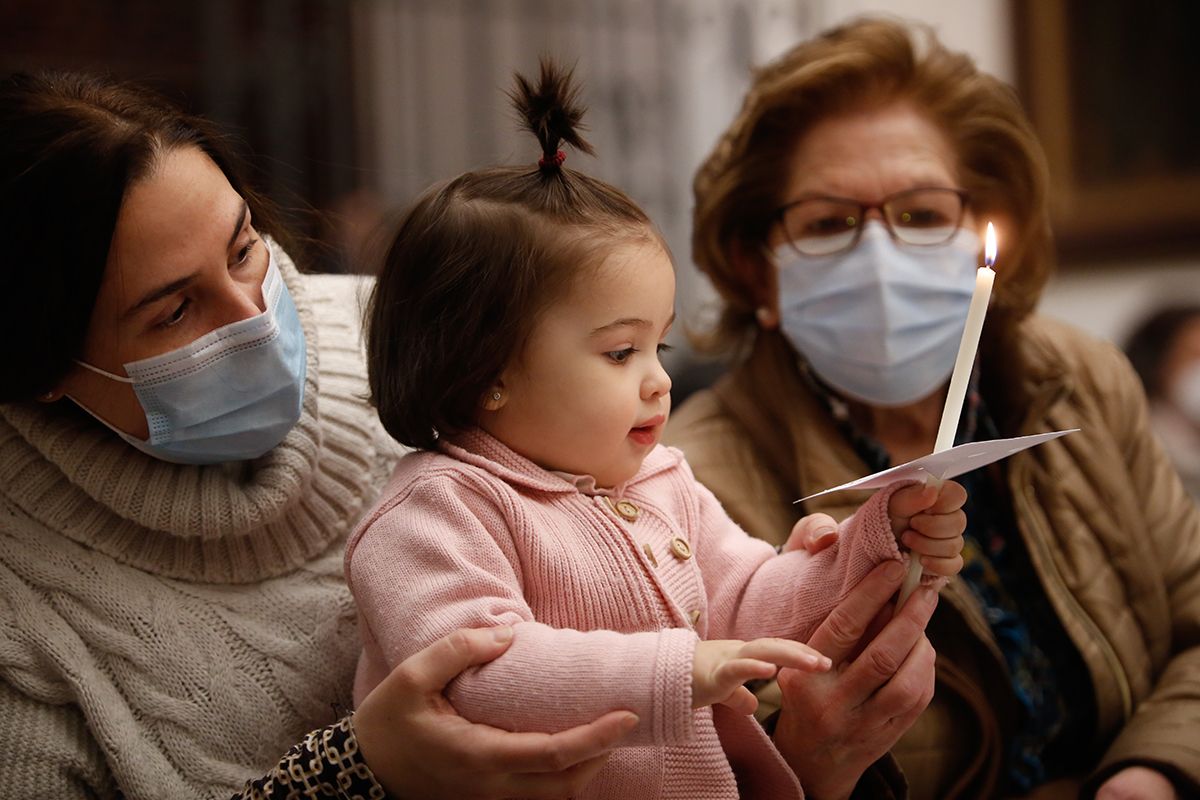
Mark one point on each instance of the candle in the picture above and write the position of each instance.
(984, 278)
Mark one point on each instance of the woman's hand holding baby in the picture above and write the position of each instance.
(720, 667)
(928, 519)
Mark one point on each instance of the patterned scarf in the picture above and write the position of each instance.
(998, 571)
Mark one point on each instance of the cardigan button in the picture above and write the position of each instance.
(694, 617)
(649, 551)
(626, 509)
(681, 549)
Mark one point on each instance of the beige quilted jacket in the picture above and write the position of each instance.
(1109, 527)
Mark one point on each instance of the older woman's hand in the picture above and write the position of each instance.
(419, 747)
(833, 726)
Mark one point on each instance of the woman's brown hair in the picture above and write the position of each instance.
(474, 262)
(71, 145)
(867, 64)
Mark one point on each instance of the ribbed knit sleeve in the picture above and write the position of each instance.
(442, 557)
(753, 592)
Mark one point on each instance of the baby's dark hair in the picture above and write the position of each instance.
(474, 263)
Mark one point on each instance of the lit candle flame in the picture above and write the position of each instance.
(989, 247)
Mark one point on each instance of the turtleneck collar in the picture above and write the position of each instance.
(224, 523)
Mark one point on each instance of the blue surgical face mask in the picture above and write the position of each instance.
(232, 394)
(879, 323)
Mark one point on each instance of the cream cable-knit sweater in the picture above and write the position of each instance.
(168, 631)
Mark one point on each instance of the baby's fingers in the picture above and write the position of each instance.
(734, 673)
(813, 533)
(908, 501)
(785, 653)
(943, 567)
(950, 498)
(923, 545)
(742, 701)
(937, 542)
(940, 526)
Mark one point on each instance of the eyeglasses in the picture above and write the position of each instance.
(822, 226)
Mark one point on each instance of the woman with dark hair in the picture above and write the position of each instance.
(839, 219)
(184, 446)
(1165, 351)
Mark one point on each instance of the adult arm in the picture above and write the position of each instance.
(1161, 735)
(421, 748)
(833, 727)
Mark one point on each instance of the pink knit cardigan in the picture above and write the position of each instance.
(606, 607)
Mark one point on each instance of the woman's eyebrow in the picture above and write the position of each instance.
(241, 220)
(174, 286)
(157, 294)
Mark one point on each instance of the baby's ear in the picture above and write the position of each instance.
(495, 397)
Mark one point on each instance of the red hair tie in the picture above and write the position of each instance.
(558, 159)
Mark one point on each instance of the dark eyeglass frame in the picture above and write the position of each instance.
(864, 208)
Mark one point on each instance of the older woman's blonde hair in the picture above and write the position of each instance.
(866, 64)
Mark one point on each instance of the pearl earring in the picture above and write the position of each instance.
(767, 319)
(496, 396)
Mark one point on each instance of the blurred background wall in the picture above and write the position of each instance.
(351, 107)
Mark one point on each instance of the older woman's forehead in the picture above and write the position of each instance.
(868, 155)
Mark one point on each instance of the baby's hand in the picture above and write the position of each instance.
(719, 668)
(813, 533)
(928, 520)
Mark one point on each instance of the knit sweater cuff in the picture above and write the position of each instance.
(873, 527)
(673, 697)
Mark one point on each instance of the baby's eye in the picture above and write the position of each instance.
(665, 348)
(621, 356)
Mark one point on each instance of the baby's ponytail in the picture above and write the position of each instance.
(476, 260)
(552, 112)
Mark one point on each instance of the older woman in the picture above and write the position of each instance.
(839, 219)
(184, 446)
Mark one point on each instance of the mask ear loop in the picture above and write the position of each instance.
(133, 440)
(106, 374)
(272, 288)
